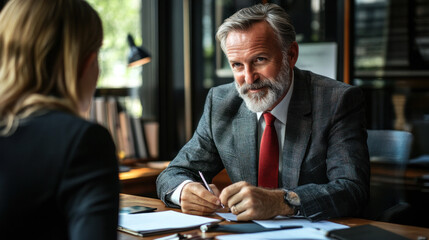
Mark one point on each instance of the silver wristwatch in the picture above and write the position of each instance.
(292, 200)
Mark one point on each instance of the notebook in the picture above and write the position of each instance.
(367, 232)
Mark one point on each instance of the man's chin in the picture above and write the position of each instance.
(256, 105)
(256, 95)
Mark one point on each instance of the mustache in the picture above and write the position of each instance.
(260, 83)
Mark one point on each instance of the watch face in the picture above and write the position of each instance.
(292, 198)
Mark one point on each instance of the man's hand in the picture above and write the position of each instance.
(249, 202)
(196, 199)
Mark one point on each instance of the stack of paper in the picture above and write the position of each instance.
(308, 230)
(147, 224)
(284, 221)
(295, 234)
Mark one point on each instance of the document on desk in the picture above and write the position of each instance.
(147, 224)
(280, 221)
(309, 230)
(299, 233)
(230, 217)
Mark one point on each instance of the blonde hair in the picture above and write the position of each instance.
(43, 45)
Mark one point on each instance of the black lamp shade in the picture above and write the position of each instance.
(138, 56)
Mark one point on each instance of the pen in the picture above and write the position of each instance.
(206, 227)
(129, 231)
(283, 227)
(175, 236)
(208, 187)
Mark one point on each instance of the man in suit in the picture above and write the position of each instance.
(315, 162)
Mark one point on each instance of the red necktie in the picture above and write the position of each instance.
(269, 155)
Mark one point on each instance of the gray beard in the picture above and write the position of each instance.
(263, 100)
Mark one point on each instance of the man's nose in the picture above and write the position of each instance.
(250, 75)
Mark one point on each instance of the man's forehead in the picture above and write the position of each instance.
(257, 44)
(259, 37)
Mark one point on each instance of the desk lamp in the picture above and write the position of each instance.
(137, 56)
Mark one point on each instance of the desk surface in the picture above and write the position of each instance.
(406, 231)
(141, 179)
(139, 174)
(410, 177)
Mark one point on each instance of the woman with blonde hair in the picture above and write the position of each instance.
(58, 172)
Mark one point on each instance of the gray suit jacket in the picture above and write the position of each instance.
(325, 156)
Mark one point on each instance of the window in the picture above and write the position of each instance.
(119, 18)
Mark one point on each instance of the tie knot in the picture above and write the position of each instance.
(269, 118)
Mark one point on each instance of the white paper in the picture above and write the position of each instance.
(227, 216)
(299, 233)
(163, 220)
(281, 222)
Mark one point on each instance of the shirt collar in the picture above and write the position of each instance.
(280, 111)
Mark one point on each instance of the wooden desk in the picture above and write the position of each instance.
(406, 231)
(410, 177)
(140, 181)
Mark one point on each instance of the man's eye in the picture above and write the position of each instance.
(260, 59)
(236, 65)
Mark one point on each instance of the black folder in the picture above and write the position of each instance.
(246, 228)
(367, 232)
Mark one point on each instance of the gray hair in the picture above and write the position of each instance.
(271, 13)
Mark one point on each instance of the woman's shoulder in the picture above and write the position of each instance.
(55, 118)
(62, 123)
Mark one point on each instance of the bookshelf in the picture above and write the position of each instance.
(118, 109)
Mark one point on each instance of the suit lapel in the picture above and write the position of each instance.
(245, 127)
(298, 130)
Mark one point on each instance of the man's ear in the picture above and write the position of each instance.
(293, 54)
(87, 64)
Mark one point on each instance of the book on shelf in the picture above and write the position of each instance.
(151, 130)
(140, 140)
(112, 120)
(128, 132)
(100, 111)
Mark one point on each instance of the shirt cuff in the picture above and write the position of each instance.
(175, 197)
